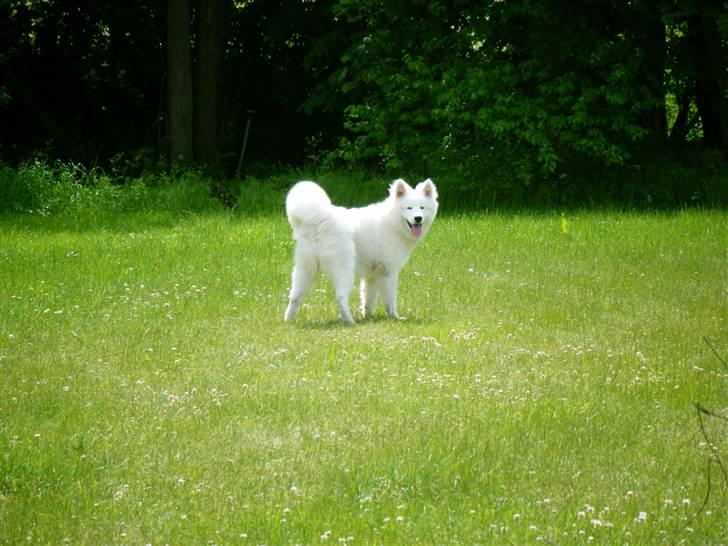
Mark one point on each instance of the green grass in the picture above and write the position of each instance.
(541, 389)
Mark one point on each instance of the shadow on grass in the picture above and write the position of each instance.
(337, 324)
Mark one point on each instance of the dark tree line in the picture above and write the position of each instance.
(541, 85)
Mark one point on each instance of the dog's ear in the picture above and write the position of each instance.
(399, 188)
(428, 189)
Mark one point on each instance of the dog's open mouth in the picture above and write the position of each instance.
(415, 229)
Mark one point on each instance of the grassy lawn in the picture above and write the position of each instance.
(541, 388)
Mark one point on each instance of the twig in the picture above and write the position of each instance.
(706, 411)
(707, 342)
(713, 449)
(714, 454)
(714, 459)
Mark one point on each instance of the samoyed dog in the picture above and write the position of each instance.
(370, 243)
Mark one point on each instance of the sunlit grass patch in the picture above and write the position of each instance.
(540, 390)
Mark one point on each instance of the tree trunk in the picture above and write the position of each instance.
(207, 76)
(650, 38)
(179, 81)
(680, 128)
(709, 62)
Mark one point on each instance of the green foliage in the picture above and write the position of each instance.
(45, 188)
(526, 90)
(55, 188)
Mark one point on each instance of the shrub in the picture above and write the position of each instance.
(58, 188)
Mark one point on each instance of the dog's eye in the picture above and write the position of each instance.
(409, 208)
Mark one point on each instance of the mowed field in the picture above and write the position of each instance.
(541, 389)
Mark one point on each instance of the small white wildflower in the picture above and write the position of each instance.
(596, 523)
(641, 517)
(581, 514)
(325, 536)
(516, 517)
(686, 502)
(121, 492)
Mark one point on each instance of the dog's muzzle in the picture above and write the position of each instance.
(416, 228)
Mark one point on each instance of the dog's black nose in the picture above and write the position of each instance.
(418, 219)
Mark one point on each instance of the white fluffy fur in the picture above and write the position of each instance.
(371, 243)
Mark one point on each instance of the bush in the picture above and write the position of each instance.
(41, 188)
(56, 188)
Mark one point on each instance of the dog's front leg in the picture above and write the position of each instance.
(389, 294)
(368, 292)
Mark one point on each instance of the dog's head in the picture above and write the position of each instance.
(417, 206)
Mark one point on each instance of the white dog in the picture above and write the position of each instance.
(371, 243)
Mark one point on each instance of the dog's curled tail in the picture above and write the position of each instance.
(307, 203)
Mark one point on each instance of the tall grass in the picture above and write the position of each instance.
(541, 388)
(44, 188)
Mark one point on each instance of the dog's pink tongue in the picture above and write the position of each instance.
(416, 230)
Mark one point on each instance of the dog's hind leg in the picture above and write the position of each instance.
(343, 282)
(301, 281)
(340, 269)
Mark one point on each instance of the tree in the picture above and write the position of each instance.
(648, 33)
(708, 54)
(539, 86)
(179, 80)
(208, 77)
(194, 79)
